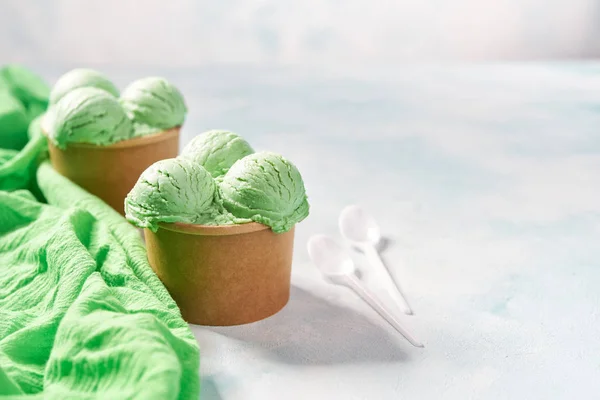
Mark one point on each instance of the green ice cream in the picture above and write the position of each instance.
(266, 188)
(154, 105)
(87, 115)
(261, 187)
(175, 190)
(78, 78)
(217, 150)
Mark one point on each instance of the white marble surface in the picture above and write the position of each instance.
(486, 180)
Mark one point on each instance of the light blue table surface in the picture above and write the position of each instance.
(486, 181)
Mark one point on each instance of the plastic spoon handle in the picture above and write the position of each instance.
(353, 283)
(375, 260)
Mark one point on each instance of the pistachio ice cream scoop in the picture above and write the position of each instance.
(153, 104)
(217, 150)
(267, 188)
(78, 78)
(87, 115)
(175, 190)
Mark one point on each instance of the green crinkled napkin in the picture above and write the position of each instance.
(23, 97)
(82, 315)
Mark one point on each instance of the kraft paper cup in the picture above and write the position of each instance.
(223, 275)
(110, 172)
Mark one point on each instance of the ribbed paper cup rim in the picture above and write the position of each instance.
(138, 141)
(213, 230)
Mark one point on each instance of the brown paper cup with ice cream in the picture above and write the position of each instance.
(110, 172)
(223, 275)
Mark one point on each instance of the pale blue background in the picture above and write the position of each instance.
(345, 36)
(487, 181)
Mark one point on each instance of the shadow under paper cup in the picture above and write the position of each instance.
(223, 275)
(110, 172)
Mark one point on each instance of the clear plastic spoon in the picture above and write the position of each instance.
(336, 265)
(358, 227)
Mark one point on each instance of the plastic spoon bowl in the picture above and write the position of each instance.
(358, 227)
(336, 265)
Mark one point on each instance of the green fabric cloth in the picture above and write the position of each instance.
(23, 97)
(82, 315)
